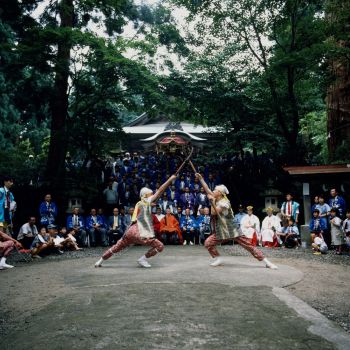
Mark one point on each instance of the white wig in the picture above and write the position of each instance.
(222, 189)
(144, 191)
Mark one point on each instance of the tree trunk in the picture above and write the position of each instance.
(338, 102)
(59, 103)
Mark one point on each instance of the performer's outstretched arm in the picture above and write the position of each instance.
(162, 188)
(204, 184)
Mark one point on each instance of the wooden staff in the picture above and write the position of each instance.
(184, 162)
(195, 171)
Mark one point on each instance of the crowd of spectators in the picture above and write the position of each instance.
(180, 216)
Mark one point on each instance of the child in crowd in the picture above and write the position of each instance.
(346, 229)
(336, 231)
(41, 242)
(66, 240)
(291, 234)
(319, 246)
(317, 226)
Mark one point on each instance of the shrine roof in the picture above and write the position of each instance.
(318, 169)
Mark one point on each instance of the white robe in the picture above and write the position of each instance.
(267, 234)
(249, 220)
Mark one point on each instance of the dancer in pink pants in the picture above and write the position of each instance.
(223, 227)
(141, 231)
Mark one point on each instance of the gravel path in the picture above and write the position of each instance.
(325, 285)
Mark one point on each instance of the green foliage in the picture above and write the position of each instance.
(313, 128)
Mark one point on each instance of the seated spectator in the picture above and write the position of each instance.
(170, 227)
(101, 213)
(203, 223)
(96, 229)
(319, 246)
(270, 230)
(41, 242)
(187, 200)
(7, 244)
(336, 231)
(127, 217)
(250, 226)
(291, 233)
(27, 233)
(116, 227)
(57, 246)
(76, 223)
(68, 241)
(317, 225)
(157, 217)
(239, 216)
(48, 211)
(179, 214)
(188, 226)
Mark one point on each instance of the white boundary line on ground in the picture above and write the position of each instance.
(321, 326)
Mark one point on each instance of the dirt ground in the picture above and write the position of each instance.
(29, 287)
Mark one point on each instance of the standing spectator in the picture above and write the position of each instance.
(173, 195)
(290, 208)
(48, 211)
(116, 227)
(188, 226)
(76, 223)
(337, 202)
(239, 216)
(7, 205)
(111, 197)
(27, 233)
(202, 200)
(250, 225)
(316, 202)
(96, 229)
(181, 184)
(187, 200)
(270, 230)
(7, 243)
(346, 228)
(204, 226)
(317, 225)
(165, 203)
(125, 199)
(324, 210)
(211, 182)
(336, 231)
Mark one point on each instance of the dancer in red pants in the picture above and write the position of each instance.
(141, 231)
(223, 227)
